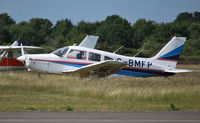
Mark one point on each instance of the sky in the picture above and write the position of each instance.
(97, 10)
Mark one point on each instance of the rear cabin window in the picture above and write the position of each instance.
(76, 54)
(107, 58)
(94, 57)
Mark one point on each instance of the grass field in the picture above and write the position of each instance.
(20, 90)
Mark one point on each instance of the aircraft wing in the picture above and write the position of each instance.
(18, 47)
(100, 69)
(181, 71)
(89, 41)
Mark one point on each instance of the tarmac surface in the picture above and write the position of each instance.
(100, 117)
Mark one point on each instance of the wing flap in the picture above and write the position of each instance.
(100, 69)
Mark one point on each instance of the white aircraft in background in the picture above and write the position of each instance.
(8, 59)
(89, 41)
(85, 61)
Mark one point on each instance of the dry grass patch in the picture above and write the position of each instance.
(20, 90)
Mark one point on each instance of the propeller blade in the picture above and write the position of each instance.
(22, 50)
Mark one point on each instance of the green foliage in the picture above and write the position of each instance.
(42, 27)
(5, 36)
(25, 33)
(5, 20)
(31, 109)
(173, 107)
(196, 16)
(185, 16)
(114, 32)
(69, 108)
(151, 46)
(141, 29)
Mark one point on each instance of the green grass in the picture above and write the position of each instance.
(20, 90)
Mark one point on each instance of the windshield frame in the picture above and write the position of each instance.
(61, 52)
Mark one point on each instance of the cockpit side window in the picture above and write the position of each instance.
(94, 56)
(77, 54)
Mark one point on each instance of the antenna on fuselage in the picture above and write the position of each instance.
(118, 49)
(138, 53)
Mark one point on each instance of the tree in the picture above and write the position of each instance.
(25, 33)
(114, 32)
(42, 27)
(140, 30)
(62, 27)
(197, 16)
(194, 31)
(86, 27)
(5, 20)
(185, 16)
(5, 36)
(59, 32)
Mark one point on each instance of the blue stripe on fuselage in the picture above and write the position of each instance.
(135, 74)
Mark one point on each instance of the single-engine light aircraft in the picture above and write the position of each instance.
(8, 58)
(85, 61)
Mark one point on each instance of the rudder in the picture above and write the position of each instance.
(169, 54)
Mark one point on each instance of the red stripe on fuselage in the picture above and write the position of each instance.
(61, 61)
(10, 62)
(167, 60)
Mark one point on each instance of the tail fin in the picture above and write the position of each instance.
(89, 41)
(169, 54)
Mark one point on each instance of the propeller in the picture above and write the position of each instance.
(22, 50)
(23, 57)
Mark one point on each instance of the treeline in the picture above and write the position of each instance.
(114, 32)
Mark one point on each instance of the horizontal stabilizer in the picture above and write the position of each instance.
(100, 69)
(181, 71)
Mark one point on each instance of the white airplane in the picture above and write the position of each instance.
(85, 61)
(8, 59)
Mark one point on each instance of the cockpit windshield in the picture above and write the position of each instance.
(61, 52)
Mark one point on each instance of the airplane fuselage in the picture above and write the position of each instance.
(57, 63)
(11, 64)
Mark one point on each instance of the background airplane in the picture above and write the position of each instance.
(8, 58)
(85, 61)
(89, 41)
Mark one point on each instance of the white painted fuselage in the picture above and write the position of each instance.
(52, 63)
(76, 58)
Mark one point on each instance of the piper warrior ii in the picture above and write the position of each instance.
(85, 61)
